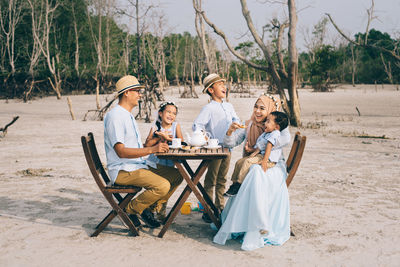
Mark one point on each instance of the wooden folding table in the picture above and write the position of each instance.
(180, 157)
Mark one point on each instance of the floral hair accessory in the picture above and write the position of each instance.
(273, 99)
(162, 105)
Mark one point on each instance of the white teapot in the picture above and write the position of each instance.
(198, 138)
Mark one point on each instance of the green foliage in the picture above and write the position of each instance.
(319, 71)
(327, 64)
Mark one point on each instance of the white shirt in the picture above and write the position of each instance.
(216, 118)
(120, 127)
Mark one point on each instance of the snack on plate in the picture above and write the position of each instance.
(185, 147)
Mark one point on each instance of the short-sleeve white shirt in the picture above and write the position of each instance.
(120, 127)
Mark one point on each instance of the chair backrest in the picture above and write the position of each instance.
(94, 162)
(295, 155)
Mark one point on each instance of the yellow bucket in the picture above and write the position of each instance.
(186, 208)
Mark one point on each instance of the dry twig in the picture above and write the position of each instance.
(4, 129)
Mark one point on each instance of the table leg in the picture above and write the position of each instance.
(199, 196)
(192, 174)
(192, 182)
(201, 188)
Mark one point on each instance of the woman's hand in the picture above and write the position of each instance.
(233, 127)
(264, 165)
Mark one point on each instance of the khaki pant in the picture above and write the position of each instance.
(216, 178)
(242, 167)
(159, 183)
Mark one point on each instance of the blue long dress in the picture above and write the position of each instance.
(262, 203)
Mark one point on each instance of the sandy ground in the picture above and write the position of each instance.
(345, 201)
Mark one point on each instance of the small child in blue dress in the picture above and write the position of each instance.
(264, 154)
(164, 130)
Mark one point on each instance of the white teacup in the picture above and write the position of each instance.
(213, 142)
(176, 142)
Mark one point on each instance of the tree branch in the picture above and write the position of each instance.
(233, 51)
(391, 53)
(4, 129)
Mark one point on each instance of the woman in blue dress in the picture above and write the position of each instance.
(259, 213)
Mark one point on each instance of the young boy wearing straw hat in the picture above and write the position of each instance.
(125, 152)
(215, 118)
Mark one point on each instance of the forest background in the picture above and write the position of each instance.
(81, 47)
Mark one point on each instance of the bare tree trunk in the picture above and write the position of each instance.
(76, 65)
(237, 72)
(202, 35)
(388, 69)
(353, 66)
(45, 46)
(35, 52)
(71, 112)
(8, 27)
(293, 65)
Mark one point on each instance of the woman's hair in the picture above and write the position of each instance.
(281, 119)
(163, 106)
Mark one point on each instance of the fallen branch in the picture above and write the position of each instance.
(359, 114)
(4, 129)
(373, 136)
(99, 113)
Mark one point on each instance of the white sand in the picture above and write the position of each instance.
(345, 201)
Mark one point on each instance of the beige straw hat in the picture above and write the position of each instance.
(126, 83)
(210, 80)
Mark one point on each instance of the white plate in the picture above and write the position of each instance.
(175, 147)
(212, 147)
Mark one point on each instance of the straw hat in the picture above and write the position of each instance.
(126, 83)
(210, 80)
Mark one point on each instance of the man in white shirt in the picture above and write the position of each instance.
(125, 152)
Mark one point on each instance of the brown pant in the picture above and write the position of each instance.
(159, 183)
(216, 178)
(242, 167)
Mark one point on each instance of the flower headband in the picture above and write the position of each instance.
(273, 99)
(162, 105)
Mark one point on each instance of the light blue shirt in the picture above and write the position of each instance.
(215, 118)
(240, 135)
(120, 127)
(264, 139)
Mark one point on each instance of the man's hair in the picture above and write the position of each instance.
(281, 119)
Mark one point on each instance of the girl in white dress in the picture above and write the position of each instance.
(164, 130)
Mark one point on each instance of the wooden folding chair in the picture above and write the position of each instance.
(111, 192)
(295, 155)
(293, 161)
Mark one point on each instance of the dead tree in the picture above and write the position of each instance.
(364, 43)
(202, 35)
(37, 22)
(8, 25)
(42, 37)
(291, 105)
(98, 114)
(147, 101)
(154, 50)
